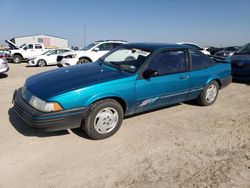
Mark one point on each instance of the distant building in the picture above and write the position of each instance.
(49, 41)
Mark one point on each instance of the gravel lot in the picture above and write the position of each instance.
(180, 146)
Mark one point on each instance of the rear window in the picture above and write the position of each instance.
(198, 61)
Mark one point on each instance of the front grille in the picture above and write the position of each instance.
(18, 109)
(59, 58)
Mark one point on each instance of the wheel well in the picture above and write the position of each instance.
(117, 99)
(219, 82)
(86, 58)
(19, 55)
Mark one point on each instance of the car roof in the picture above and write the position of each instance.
(122, 41)
(155, 46)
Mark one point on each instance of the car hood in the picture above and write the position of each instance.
(52, 83)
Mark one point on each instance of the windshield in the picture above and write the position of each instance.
(128, 59)
(22, 45)
(47, 52)
(89, 46)
(244, 50)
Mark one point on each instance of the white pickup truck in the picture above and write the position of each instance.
(24, 52)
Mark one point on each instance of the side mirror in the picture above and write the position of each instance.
(96, 49)
(150, 73)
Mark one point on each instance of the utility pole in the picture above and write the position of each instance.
(84, 34)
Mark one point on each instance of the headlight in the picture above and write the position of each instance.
(41, 105)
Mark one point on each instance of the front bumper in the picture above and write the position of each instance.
(31, 62)
(68, 62)
(52, 121)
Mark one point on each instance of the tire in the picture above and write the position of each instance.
(108, 114)
(17, 59)
(83, 61)
(209, 94)
(41, 63)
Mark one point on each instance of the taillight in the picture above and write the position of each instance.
(2, 56)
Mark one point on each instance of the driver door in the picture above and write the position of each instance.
(170, 85)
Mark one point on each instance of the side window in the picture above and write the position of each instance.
(199, 61)
(105, 47)
(115, 45)
(30, 46)
(168, 62)
(38, 46)
(62, 51)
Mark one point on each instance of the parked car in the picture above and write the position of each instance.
(240, 61)
(228, 51)
(24, 52)
(130, 79)
(47, 58)
(212, 50)
(3, 63)
(88, 54)
(196, 47)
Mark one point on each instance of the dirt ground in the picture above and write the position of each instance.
(180, 146)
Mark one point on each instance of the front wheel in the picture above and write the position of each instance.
(17, 59)
(83, 61)
(209, 94)
(41, 63)
(103, 119)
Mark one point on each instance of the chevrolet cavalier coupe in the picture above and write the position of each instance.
(133, 78)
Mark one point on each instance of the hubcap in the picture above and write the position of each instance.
(41, 63)
(106, 120)
(211, 93)
(16, 59)
(82, 61)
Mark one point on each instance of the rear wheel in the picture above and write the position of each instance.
(103, 119)
(209, 94)
(83, 61)
(17, 59)
(41, 63)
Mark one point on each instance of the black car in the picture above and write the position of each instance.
(227, 51)
(240, 62)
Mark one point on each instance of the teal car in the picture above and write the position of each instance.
(131, 79)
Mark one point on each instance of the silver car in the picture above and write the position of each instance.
(3, 64)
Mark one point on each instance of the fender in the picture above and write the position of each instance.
(217, 78)
(101, 96)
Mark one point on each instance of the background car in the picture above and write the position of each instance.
(225, 52)
(24, 52)
(196, 47)
(3, 63)
(89, 53)
(240, 61)
(133, 78)
(47, 58)
(212, 49)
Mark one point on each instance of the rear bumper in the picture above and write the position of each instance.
(226, 81)
(52, 121)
